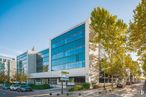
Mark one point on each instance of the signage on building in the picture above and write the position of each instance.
(64, 76)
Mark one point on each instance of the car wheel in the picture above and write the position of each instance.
(18, 90)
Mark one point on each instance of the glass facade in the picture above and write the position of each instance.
(42, 61)
(22, 62)
(68, 50)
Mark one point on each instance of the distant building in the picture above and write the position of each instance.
(26, 62)
(42, 61)
(7, 68)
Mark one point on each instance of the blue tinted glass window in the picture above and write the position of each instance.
(21, 63)
(68, 49)
(42, 61)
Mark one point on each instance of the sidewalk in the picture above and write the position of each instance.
(128, 91)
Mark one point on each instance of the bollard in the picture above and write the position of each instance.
(79, 94)
(58, 94)
(67, 94)
(50, 93)
(99, 92)
(110, 90)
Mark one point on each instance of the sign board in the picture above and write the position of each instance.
(64, 72)
(64, 76)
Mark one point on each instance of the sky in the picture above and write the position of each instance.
(28, 23)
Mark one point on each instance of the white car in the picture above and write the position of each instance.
(14, 87)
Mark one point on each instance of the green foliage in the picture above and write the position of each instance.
(112, 35)
(76, 88)
(83, 86)
(137, 38)
(137, 32)
(21, 77)
(110, 32)
(40, 87)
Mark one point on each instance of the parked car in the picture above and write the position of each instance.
(24, 88)
(128, 83)
(6, 86)
(14, 87)
(121, 84)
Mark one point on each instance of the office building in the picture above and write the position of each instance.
(26, 62)
(71, 52)
(42, 61)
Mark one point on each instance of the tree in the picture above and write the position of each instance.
(133, 66)
(137, 31)
(2, 72)
(110, 33)
(143, 60)
(22, 77)
(14, 78)
(94, 65)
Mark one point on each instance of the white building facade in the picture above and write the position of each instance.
(70, 52)
(7, 68)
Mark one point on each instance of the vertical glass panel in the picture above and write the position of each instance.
(42, 61)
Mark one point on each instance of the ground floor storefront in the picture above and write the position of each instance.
(56, 81)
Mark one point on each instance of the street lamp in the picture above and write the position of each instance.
(64, 77)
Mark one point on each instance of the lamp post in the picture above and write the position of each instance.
(64, 77)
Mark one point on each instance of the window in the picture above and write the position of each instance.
(4, 60)
(53, 81)
(68, 50)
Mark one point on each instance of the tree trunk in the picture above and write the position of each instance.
(99, 63)
(112, 82)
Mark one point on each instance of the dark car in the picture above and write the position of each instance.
(121, 84)
(6, 86)
(24, 88)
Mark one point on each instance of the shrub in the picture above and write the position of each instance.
(76, 88)
(86, 86)
(40, 87)
(83, 86)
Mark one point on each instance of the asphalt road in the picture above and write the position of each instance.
(36, 93)
(7, 93)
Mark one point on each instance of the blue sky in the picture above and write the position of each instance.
(28, 23)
